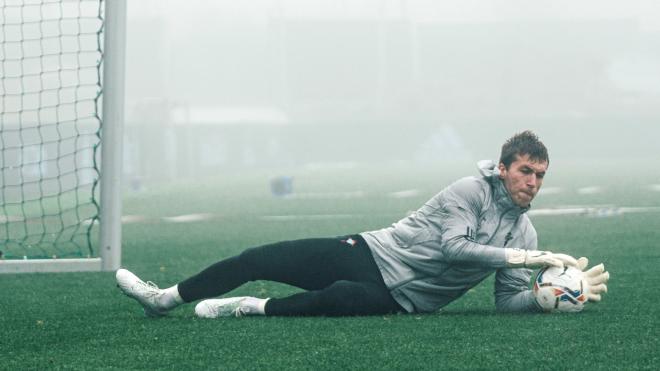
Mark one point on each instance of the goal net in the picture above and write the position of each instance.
(51, 56)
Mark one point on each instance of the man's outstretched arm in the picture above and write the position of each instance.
(458, 246)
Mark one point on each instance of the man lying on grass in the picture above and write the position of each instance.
(473, 228)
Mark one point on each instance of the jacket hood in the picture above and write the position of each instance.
(489, 170)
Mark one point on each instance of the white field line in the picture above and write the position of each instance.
(125, 219)
(550, 191)
(590, 190)
(626, 210)
(593, 211)
(597, 211)
(130, 219)
(287, 218)
(327, 195)
(407, 193)
(10, 218)
(553, 212)
(188, 218)
(583, 211)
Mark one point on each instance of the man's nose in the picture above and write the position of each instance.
(532, 181)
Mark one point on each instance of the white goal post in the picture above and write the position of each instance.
(23, 166)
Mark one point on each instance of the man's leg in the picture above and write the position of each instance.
(340, 272)
(311, 264)
(342, 298)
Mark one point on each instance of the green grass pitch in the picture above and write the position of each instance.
(82, 321)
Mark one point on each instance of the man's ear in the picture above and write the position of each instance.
(502, 169)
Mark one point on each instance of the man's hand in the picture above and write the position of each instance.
(517, 258)
(595, 279)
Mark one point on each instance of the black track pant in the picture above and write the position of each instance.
(340, 275)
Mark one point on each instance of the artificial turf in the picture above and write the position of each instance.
(81, 320)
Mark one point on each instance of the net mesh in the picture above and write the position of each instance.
(50, 83)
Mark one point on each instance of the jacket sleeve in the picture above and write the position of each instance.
(512, 293)
(457, 215)
(458, 246)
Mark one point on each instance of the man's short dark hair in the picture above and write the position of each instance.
(525, 143)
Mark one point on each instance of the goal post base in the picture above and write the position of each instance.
(50, 265)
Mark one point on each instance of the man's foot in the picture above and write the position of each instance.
(146, 293)
(229, 307)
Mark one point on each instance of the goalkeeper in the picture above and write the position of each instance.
(473, 228)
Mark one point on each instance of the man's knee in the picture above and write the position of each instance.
(265, 262)
(252, 261)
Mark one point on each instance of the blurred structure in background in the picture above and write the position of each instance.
(213, 85)
(281, 186)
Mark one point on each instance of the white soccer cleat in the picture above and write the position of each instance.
(229, 307)
(146, 293)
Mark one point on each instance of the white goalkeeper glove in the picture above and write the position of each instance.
(517, 258)
(595, 279)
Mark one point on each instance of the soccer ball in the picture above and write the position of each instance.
(560, 289)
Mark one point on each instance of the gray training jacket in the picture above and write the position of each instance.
(455, 241)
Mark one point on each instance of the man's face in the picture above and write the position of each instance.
(523, 179)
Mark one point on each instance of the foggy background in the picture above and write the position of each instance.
(214, 86)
